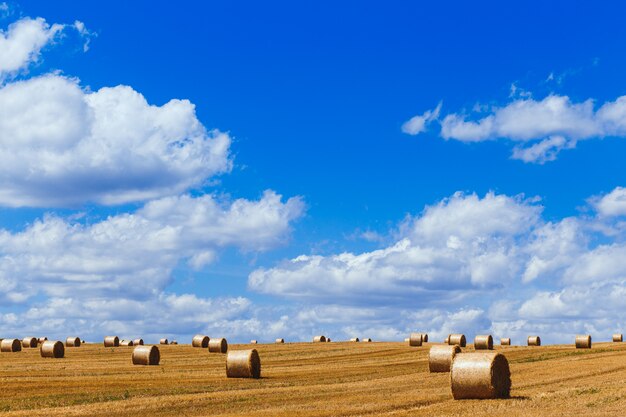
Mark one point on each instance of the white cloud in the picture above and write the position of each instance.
(63, 146)
(612, 204)
(417, 124)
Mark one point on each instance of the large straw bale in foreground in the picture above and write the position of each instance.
(319, 339)
(457, 339)
(440, 357)
(243, 364)
(72, 342)
(10, 345)
(480, 375)
(146, 355)
(200, 341)
(111, 341)
(415, 339)
(617, 337)
(30, 342)
(534, 341)
(52, 349)
(483, 342)
(583, 341)
(505, 341)
(218, 345)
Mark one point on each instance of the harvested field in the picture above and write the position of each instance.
(333, 379)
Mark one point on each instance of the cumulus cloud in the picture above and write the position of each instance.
(418, 124)
(612, 204)
(541, 127)
(63, 146)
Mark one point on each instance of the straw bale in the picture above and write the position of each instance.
(138, 342)
(319, 339)
(146, 355)
(280, 340)
(367, 339)
(617, 337)
(355, 339)
(127, 343)
(72, 342)
(111, 341)
(218, 345)
(480, 375)
(52, 349)
(457, 339)
(42, 339)
(200, 341)
(483, 342)
(583, 341)
(415, 339)
(253, 342)
(505, 341)
(10, 345)
(164, 342)
(30, 342)
(243, 364)
(534, 341)
(440, 357)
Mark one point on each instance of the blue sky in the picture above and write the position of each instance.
(312, 102)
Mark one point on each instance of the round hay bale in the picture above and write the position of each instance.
(42, 339)
(164, 342)
(218, 345)
(200, 341)
(480, 375)
(424, 338)
(280, 340)
(483, 342)
(457, 339)
(52, 349)
(367, 340)
(10, 345)
(505, 341)
(319, 339)
(138, 342)
(415, 339)
(72, 342)
(534, 341)
(328, 339)
(30, 342)
(146, 355)
(617, 337)
(355, 339)
(583, 341)
(111, 341)
(82, 342)
(174, 342)
(407, 340)
(440, 357)
(243, 364)
(447, 340)
(127, 343)
(253, 342)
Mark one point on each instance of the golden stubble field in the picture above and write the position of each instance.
(322, 379)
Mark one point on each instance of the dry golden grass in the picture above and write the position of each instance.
(333, 379)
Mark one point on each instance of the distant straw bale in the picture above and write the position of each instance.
(534, 341)
(505, 341)
(280, 340)
(164, 342)
(243, 364)
(10, 345)
(480, 375)
(72, 342)
(138, 342)
(483, 342)
(319, 339)
(174, 342)
(200, 341)
(111, 341)
(440, 357)
(42, 339)
(52, 349)
(30, 342)
(367, 339)
(146, 355)
(328, 339)
(127, 343)
(253, 342)
(583, 341)
(447, 340)
(415, 339)
(407, 340)
(355, 339)
(218, 345)
(617, 337)
(457, 339)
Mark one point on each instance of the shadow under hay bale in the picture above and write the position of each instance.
(534, 341)
(319, 339)
(10, 345)
(52, 349)
(138, 342)
(30, 342)
(480, 375)
(127, 343)
(146, 355)
(200, 341)
(72, 342)
(164, 342)
(583, 341)
(280, 340)
(111, 341)
(415, 339)
(440, 357)
(457, 339)
(218, 345)
(483, 342)
(243, 364)
(617, 337)
(505, 341)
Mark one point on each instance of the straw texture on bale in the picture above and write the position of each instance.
(164, 342)
(534, 341)
(30, 342)
(138, 342)
(253, 342)
(505, 341)
(52, 349)
(111, 341)
(355, 339)
(483, 342)
(415, 339)
(457, 339)
(243, 364)
(42, 339)
(146, 355)
(200, 341)
(617, 337)
(583, 341)
(480, 375)
(280, 340)
(127, 343)
(72, 342)
(319, 339)
(440, 357)
(10, 345)
(218, 345)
